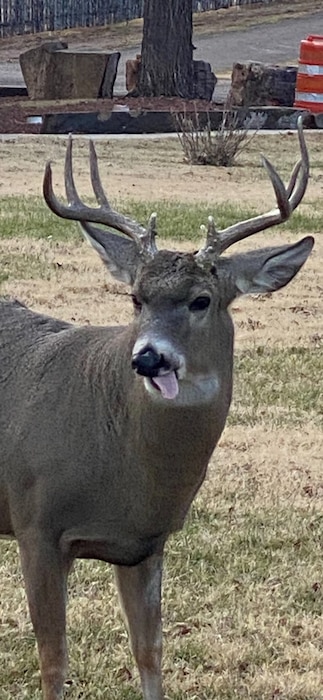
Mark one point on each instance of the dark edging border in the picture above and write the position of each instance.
(148, 122)
(13, 91)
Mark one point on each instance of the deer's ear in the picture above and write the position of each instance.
(119, 254)
(269, 269)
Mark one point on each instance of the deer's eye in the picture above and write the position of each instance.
(200, 303)
(136, 303)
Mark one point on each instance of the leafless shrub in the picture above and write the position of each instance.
(202, 146)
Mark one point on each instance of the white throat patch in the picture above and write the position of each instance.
(193, 391)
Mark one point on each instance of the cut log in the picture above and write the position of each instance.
(133, 74)
(53, 72)
(256, 84)
(204, 80)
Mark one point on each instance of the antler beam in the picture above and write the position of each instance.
(287, 198)
(103, 214)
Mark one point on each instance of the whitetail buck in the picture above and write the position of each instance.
(106, 432)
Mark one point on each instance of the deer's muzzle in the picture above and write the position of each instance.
(150, 363)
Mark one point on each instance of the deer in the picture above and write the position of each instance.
(107, 431)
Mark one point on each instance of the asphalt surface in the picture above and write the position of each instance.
(267, 43)
(276, 43)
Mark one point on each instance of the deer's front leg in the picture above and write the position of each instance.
(45, 576)
(140, 594)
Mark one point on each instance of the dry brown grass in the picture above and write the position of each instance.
(153, 169)
(243, 581)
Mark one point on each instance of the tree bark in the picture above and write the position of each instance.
(167, 50)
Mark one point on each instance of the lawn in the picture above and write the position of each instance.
(244, 579)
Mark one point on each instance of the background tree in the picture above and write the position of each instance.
(167, 50)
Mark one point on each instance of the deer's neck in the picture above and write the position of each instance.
(160, 449)
(198, 413)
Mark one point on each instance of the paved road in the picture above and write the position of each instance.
(269, 43)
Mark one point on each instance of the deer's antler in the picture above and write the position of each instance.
(103, 214)
(287, 198)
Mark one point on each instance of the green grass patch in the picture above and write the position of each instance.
(246, 549)
(182, 221)
(242, 600)
(282, 386)
(4, 276)
(24, 266)
(303, 222)
(29, 216)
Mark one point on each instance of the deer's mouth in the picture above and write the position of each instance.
(159, 368)
(166, 384)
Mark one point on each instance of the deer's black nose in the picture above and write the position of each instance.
(148, 362)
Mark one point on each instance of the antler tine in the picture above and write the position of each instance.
(71, 192)
(293, 178)
(298, 193)
(287, 200)
(48, 193)
(103, 214)
(212, 245)
(95, 177)
(278, 187)
(75, 208)
(152, 233)
(145, 238)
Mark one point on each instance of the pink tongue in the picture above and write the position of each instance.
(167, 384)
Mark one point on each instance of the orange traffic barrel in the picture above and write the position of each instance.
(309, 81)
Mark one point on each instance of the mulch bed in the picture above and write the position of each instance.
(15, 110)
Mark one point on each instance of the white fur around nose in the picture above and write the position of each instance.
(163, 347)
(193, 389)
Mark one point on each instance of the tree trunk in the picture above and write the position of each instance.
(167, 50)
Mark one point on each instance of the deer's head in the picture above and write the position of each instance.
(183, 328)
